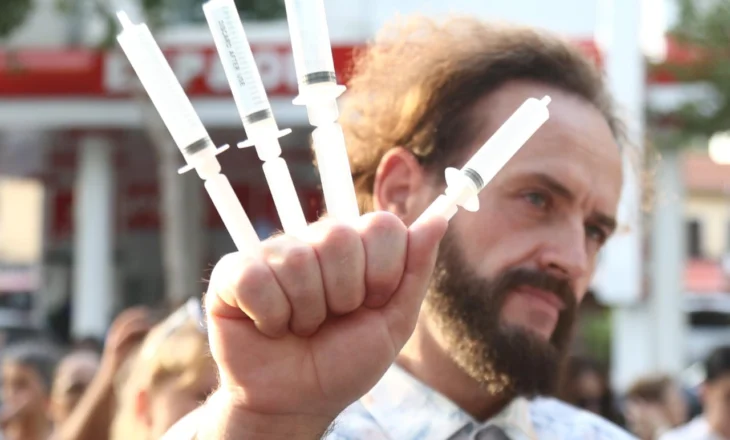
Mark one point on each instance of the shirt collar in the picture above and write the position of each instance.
(406, 408)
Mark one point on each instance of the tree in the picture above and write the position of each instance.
(12, 15)
(703, 33)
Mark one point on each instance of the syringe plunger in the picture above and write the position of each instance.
(463, 186)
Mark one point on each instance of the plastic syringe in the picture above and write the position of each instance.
(255, 110)
(463, 186)
(318, 91)
(187, 130)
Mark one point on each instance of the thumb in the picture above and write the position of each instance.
(403, 308)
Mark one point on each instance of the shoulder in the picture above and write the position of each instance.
(693, 429)
(553, 418)
(355, 423)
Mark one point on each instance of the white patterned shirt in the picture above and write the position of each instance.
(400, 407)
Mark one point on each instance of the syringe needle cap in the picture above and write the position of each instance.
(124, 19)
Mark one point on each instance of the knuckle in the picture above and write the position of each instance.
(340, 236)
(253, 273)
(298, 259)
(386, 223)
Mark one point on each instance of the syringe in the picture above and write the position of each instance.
(255, 110)
(187, 130)
(318, 91)
(463, 186)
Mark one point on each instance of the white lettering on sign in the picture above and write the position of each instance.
(116, 73)
(216, 78)
(188, 66)
(275, 66)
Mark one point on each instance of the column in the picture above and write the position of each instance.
(621, 275)
(668, 262)
(93, 281)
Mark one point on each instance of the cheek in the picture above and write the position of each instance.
(493, 239)
(168, 407)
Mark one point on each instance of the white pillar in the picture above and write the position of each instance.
(93, 285)
(631, 345)
(620, 278)
(668, 317)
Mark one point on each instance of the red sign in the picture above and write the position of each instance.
(138, 208)
(89, 73)
(85, 73)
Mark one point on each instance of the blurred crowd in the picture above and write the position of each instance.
(152, 372)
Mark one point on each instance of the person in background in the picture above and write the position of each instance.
(171, 375)
(586, 386)
(27, 375)
(714, 423)
(655, 405)
(73, 376)
(93, 413)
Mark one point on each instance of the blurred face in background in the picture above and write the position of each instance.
(161, 406)
(73, 376)
(716, 401)
(676, 405)
(23, 391)
(591, 390)
(170, 376)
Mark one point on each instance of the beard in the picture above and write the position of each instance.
(506, 359)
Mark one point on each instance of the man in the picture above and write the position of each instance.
(27, 375)
(309, 327)
(654, 405)
(714, 423)
(73, 376)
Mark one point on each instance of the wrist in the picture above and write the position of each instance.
(223, 416)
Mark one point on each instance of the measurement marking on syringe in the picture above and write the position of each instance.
(197, 146)
(231, 52)
(258, 116)
(319, 77)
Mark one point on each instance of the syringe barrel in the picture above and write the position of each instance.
(285, 197)
(334, 170)
(310, 42)
(238, 62)
(164, 89)
(506, 141)
(234, 217)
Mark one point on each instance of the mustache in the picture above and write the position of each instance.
(512, 279)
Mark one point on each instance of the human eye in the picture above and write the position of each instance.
(537, 199)
(596, 233)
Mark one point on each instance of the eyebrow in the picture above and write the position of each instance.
(558, 188)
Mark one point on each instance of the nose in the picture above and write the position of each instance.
(564, 254)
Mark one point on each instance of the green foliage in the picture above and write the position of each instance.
(160, 12)
(704, 27)
(596, 332)
(12, 15)
(260, 10)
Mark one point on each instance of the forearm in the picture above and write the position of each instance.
(220, 419)
(92, 417)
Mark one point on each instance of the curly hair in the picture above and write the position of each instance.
(413, 87)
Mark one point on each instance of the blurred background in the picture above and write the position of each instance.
(94, 217)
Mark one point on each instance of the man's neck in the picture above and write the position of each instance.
(425, 359)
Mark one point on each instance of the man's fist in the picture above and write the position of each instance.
(307, 327)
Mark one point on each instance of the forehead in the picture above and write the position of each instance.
(575, 146)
